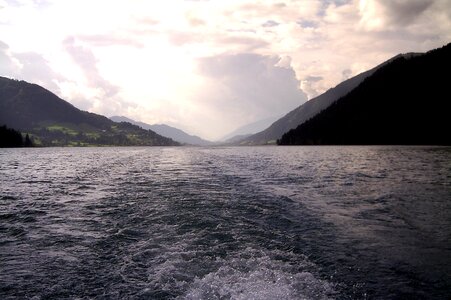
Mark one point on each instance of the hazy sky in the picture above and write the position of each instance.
(207, 66)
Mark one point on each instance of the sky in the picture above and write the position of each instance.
(207, 67)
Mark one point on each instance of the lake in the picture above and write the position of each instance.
(226, 223)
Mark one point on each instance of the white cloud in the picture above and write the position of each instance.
(30, 66)
(242, 88)
(86, 60)
(7, 64)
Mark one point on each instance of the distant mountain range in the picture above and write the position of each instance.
(167, 131)
(309, 109)
(51, 121)
(405, 101)
(235, 140)
(184, 138)
(247, 130)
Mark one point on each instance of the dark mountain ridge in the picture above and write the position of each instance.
(404, 102)
(51, 121)
(312, 107)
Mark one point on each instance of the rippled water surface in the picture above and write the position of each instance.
(226, 223)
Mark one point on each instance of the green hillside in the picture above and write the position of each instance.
(51, 121)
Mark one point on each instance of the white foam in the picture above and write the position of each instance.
(255, 275)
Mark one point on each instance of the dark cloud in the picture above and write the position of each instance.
(404, 12)
(88, 63)
(340, 2)
(307, 24)
(270, 23)
(325, 4)
(346, 74)
(245, 85)
(313, 78)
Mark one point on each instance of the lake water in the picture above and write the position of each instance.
(226, 223)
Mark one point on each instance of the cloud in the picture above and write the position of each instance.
(36, 69)
(88, 63)
(346, 74)
(195, 22)
(242, 43)
(284, 62)
(313, 78)
(246, 87)
(358, 35)
(307, 24)
(180, 38)
(3, 46)
(311, 85)
(7, 65)
(405, 12)
(108, 40)
(394, 14)
(233, 40)
(29, 66)
(270, 23)
(100, 95)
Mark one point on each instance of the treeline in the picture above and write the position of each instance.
(119, 136)
(10, 138)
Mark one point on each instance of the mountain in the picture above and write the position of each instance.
(235, 140)
(51, 121)
(405, 102)
(179, 135)
(248, 130)
(309, 109)
(167, 131)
